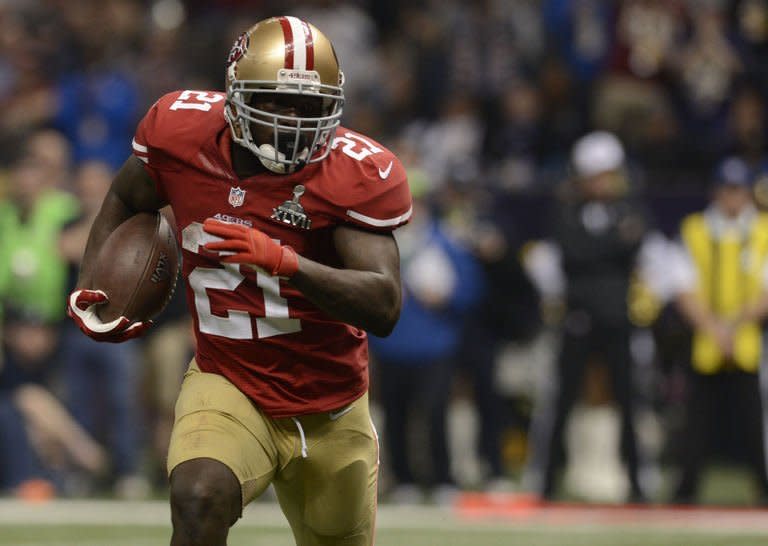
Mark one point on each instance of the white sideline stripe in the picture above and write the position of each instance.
(380, 223)
(138, 147)
(144, 159)
(428, 518)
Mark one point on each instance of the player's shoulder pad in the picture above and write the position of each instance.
(370, 183)
(177, 125)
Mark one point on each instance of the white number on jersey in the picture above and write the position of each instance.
(351, 141)
(196, 100)
(236, 324)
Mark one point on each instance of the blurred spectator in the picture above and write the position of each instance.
(598, 230)
(751, 31)
(647, 33)
(52, 152)
(97, 99)
(28, 42)
(565, 113)
(424, 50)
(20, 469)
(441, 282)
(581, 32)
(746, 132)
(101, 379)
(30, 221)
(449, 148)
(32, 279)
(492, 45)
(705, 72)
(709, 63)
(513, 138)
(44, 442)
(722, 290)
(509, 313)
(163, 69)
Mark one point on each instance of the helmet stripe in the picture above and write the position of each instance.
(310, 45)
(299, 42)
(289, 45)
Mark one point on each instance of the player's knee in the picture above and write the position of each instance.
(204, 490)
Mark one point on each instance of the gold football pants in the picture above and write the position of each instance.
(324, 466)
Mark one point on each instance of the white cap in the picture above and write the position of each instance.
(596, 153)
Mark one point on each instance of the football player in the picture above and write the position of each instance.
(284, 219)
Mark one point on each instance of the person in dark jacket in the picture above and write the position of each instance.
(598, 230)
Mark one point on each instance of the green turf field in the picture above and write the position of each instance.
(94, 535)
(111, 523)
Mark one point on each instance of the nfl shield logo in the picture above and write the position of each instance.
(236, 196)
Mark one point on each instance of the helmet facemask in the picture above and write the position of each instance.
(295, 139)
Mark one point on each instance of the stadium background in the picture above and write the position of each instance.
(482, 100)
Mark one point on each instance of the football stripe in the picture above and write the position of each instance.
(376, 222)
(299, 39)
(310, 41)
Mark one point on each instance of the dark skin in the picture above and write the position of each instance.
(365, 292)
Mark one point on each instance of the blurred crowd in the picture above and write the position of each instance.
(584, 275)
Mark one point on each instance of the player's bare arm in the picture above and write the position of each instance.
(132, 191)
(366, 293)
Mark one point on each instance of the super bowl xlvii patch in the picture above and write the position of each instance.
(291, 212)
(236, 196)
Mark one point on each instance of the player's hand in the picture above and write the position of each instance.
(252, 247)
(81, 307)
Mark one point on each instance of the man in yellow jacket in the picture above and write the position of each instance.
(721, 284)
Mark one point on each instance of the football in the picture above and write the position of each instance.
(137, 268)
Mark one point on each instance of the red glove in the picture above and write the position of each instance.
(81, 306)
(252, 247)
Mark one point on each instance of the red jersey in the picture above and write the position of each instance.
(261, 333)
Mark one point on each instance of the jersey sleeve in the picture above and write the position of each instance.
(145, 149)
(173, 131)
(379, 198)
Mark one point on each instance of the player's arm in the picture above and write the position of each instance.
(132, 191)
(365, 292)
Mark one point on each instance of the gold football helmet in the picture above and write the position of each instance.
(284, 60)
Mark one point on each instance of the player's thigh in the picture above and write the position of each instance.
(329, 497)
(215, 420)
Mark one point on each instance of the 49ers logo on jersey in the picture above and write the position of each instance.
(239, 48)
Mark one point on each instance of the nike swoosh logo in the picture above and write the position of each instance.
(333, 415)
(385, 173)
